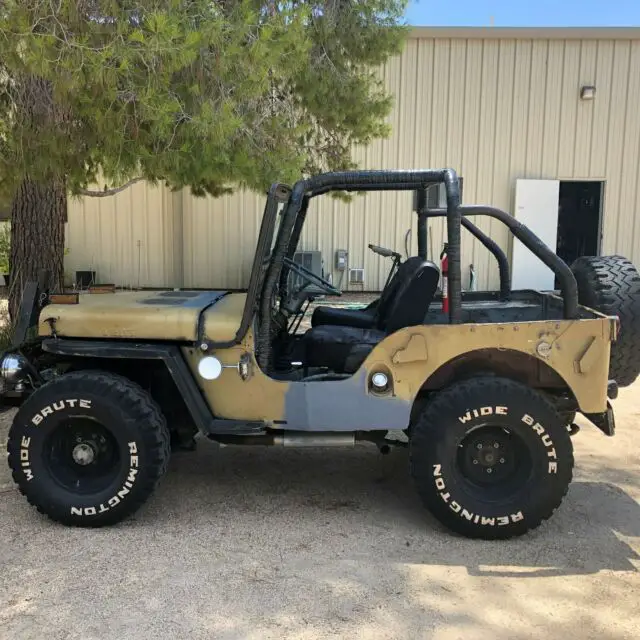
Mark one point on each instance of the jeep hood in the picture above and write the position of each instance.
(147, 315)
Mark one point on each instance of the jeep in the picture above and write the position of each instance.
(482, 386)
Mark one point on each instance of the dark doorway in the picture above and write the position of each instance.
(579, 215)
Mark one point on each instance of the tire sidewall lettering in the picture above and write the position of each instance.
(499, 412)
(456, 505)
(36, 426)
(535, 435)
(120, 494)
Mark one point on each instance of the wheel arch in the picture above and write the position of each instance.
(159, 364)
(506, 363)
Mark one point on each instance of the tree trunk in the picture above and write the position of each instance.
(38, 214)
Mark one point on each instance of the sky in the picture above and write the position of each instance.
(525, 13)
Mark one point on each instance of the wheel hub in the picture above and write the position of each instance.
(487, 455)
(83, 454)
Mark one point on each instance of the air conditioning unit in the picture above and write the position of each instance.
(310, 260)
(356, 276)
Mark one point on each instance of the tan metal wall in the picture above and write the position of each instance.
(127, 239)
(496, 105)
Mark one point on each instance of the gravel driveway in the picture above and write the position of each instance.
(269, 543)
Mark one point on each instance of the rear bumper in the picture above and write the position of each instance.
(605, 421)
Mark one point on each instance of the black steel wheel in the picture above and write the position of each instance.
(88, 448)
(491, 458)
(82, 455)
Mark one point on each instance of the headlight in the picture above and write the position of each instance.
(12, 367)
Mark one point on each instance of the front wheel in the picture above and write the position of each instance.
(88, 448)
(491, 458)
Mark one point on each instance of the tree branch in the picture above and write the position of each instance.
(108, 192)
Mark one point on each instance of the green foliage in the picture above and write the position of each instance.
(5, 247)
(193, 92)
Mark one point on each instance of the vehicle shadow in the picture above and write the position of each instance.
(309, 494)
(252, 543)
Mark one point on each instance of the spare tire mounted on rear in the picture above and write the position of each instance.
(611, 285)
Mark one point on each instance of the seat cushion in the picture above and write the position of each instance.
(341, 349)
(363, 318)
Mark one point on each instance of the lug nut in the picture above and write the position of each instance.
(475, 462)
(479, 445)
(501, 460)
(496, 445)
(489, 470)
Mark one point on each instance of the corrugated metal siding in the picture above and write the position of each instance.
(127, 239)
(494, 108)
(219, 238)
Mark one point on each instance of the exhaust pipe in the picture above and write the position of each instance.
(291, 439)
(310, 439)
(302, 439)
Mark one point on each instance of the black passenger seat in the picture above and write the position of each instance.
(370, 317)
(344, 348)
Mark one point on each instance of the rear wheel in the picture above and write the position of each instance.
(88, 448)
(611, 285)
(491, 458)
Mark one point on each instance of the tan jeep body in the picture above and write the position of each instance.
(575, 352)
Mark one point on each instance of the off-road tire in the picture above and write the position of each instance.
(135, 435)
(611, 285)
(438, 455)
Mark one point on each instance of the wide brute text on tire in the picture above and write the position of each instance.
(491, 458)
(88, 448)
(611, 285)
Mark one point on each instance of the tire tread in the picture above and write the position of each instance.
(611, 285)
(149, 418)
(428, 427)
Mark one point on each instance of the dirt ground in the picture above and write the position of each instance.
(256, 543)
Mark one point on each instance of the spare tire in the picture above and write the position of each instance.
(611, 285)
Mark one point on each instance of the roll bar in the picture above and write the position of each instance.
(377, 180)
(491, 245)
(350, 181)
(568, 284)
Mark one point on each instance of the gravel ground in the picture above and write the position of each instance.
(267, 543)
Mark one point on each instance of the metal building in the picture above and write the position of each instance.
(541, 122)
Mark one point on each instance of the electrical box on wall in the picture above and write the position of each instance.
(342, 259)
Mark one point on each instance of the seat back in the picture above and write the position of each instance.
(389, 294)
(411, 302)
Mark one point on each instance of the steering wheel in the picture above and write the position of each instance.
(312, 278)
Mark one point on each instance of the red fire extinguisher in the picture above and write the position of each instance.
(444, 268)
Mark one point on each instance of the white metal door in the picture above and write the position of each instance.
(537, 208)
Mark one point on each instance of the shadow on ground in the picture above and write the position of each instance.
(329, 486)
(272, 543)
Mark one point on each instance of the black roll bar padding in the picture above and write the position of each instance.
(567, 280)
(398, 180)
(421, 207)
(491, 245)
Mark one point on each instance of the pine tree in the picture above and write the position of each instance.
(213, 95)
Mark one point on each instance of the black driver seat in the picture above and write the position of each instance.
(343, 349)
(373, 315)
